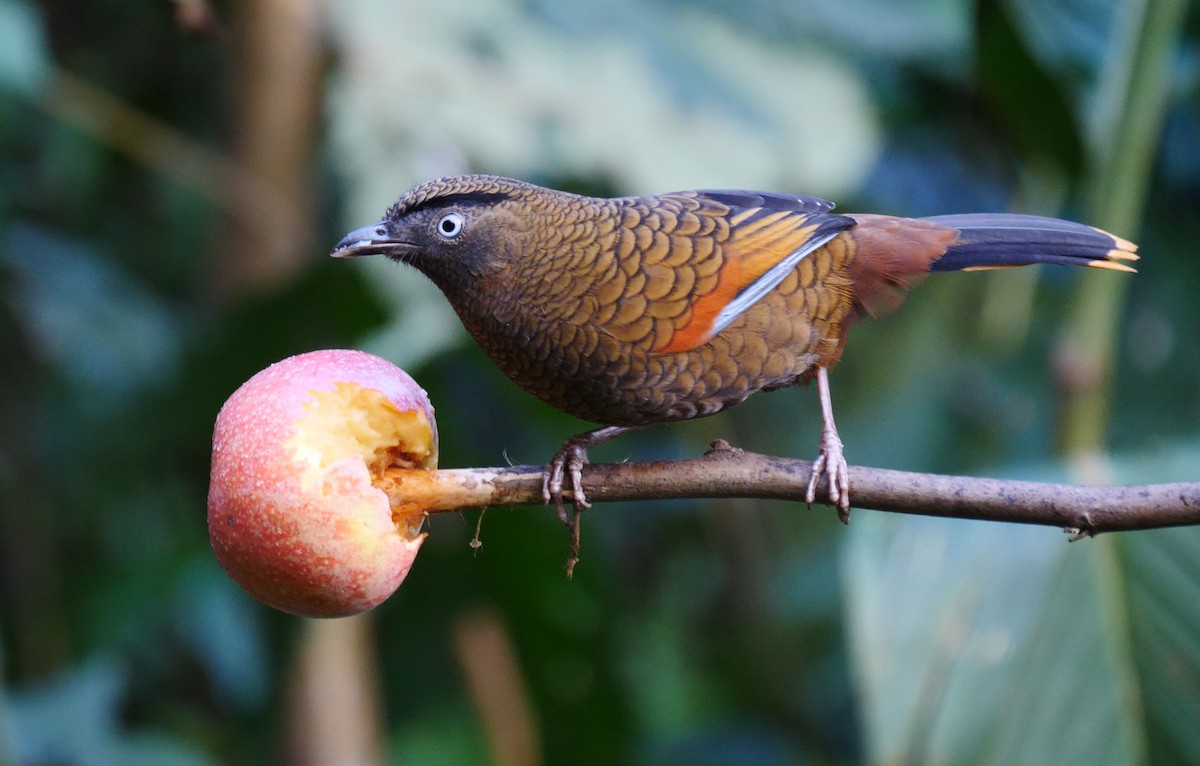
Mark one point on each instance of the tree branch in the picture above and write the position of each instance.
(725, 471)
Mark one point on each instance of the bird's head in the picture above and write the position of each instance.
(450, 228)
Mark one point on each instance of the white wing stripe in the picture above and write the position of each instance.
(766, 283)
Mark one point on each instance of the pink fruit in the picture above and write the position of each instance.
(293, 515)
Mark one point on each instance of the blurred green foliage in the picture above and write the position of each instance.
(705, 632)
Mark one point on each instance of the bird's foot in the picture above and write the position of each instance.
(831, 462)
(568, 463)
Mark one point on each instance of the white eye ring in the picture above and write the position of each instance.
(451, 225)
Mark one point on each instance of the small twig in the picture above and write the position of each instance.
(727, 472)
(476, 543)
(573, 545)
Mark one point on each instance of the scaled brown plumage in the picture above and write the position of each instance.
(640, 310)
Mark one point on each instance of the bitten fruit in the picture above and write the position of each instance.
(293, 515)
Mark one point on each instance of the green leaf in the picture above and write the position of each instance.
(24, 61)
(102, 329)
(1162, 571)
(439, 737)
(75, 720)
(6, 744)
(1031, 104)
(225, 631)
(989, 643)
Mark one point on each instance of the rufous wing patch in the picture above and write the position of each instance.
(764, 246)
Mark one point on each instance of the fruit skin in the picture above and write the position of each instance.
(313, 541)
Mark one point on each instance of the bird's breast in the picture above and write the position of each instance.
(607, 371)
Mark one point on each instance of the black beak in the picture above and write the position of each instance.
(371, 240)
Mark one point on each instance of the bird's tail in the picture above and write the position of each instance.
(892, 254)
(999, 240)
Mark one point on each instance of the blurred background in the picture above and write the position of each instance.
(175, 173)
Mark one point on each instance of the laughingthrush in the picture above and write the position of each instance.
(640, 310)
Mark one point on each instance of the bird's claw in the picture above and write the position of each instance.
(568, 465)
(569, 462)
(831, 463)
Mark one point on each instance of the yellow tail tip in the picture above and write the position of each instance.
(1114, 265)
(995, 267)
(1123, 253)
(1123, 249)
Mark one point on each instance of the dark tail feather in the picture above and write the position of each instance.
(998, 240)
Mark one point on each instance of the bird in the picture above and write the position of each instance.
(638, 310)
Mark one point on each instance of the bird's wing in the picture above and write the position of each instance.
(741, 199)
(760, 247)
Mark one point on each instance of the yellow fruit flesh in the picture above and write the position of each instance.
(353, 421)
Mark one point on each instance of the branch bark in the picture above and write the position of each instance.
(725, 471)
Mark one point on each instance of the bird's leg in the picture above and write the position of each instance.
(830, 460)
(569, 462)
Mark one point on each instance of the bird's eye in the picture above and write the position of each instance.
(450, 225)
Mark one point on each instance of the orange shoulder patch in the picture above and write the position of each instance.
(763, 247)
